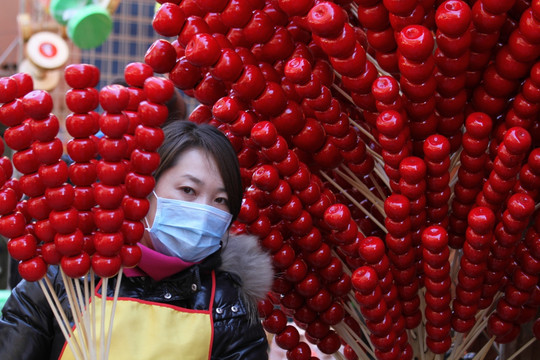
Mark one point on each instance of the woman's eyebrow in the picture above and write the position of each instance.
(192, 178)
(199, 181)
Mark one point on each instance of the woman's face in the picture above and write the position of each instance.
(195, 177)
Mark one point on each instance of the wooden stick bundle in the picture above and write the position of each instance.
(82, 338)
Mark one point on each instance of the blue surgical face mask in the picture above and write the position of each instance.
(187, 230)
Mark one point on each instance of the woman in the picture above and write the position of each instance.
(196, 288)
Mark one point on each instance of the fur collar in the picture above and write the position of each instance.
(243, 256)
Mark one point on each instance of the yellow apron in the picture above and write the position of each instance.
(144, 330)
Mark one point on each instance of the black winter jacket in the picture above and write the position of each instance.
(28, 329)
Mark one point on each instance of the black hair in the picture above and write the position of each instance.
(184, 135)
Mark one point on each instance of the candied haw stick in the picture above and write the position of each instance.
(19, 137)
(374, 17)
(333, 34)
(437, 157)
(319, 98)
(510, 154)
(82, 124)
(470, 174)
(275, 322)
(395, 143)
(373, 251)
(38, 159)
(134, 74)
(487, 18)
(525, 277)
(526, 104)
(413, 186)
(374, 310)
(317, 254)
(143, 138)
(111, 172)
(519, 284)
(508, 232)
(435, 254)
(386, 91)
(56, 205)
(451, 57)
(144, 160)
(529, 176)
(402, 256)
(481, 222)
(415, 45)
(21, 246)
(512, 63)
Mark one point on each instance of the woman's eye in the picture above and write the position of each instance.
(222, 200)
(187, 190)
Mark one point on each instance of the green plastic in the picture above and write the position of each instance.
(63, 10)
(4, 294)
(89, 27)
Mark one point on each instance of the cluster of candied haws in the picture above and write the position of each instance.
(389, 151)
(368, 124)
(84, 213)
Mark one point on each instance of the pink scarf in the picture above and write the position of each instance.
(157, 265)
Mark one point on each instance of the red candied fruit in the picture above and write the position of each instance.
(415, 42)
(397, 207)
(371, 249)
(365, 279)
(326, 19)
(481, 219)
(517, 140)
(435, 238)
(453, 17)
(436, 147)
(412, 169)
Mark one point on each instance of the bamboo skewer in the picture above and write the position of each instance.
(103, 308)
(356, 203)
(115, 300)
(61, 318)
(82, 306)
(356, 343)
(337, 355)
(363, 328)
(364, 131)
(88, 314)
(523, 348)
(481, 355)
(378, 158)
(343, 93)
(422, 336)
(93, 306)
(380, 70)
(83, 314)
(471, 336)
(455, 256)
(63, 314)
(455, 160)
(377, 185)
(75, 310)
(351, 178)
(377, 169)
